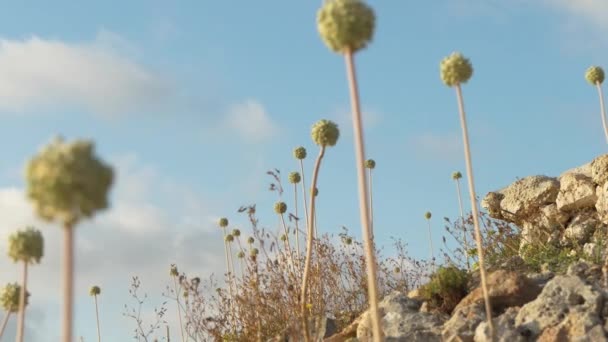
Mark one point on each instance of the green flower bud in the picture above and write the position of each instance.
(229, 238)
(325, 133)
(9, 297)
(315, 192)
(254, 252)
(223, 222)
(346, 25)
(173, 272)
(185, 294)
(455, 69)
(283, 237)
(236, 232)
(94, 291)
(595, 75)
(397, 270)
(280, 208)
(294, 177)
(26, 246)
(456, 175)
(299, 152)
(370, 163)
(427, 215)
(67, 182)
(240, 254)
(250, 240)
(348, 240)
(472, 252)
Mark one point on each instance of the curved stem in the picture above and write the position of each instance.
(97, 317)
(21, 317)
(179, 311)
(603, 110)
(467, 155)
(364, 210)
(465, 242)
(4, 323)
(68, 281)
(309, 239)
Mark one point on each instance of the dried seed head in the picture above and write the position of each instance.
(26, 246)
(427, 215)
(455, 69)
(283, 237)
(67, 182)
(229, 238)
(254, 252)
(348, 240)
(240, 254)
(346, 25)
(223, 222)
(9, 297)
(325, 133)
(280, 208)
(173, 272)
(456, 175)
(397, 270)
(294, 177)
(236, 232)
(94, 291)
(299, 152)
(595, 75)
(370, 163)
(250, 240)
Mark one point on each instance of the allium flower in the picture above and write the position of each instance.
(26, 246)
(173, 272)
(67, 182)
(315, 192)
(283, 237)
(280, 207)
(348, 240)
(240, 254)
(346, 25)
(94, 291)
(229, 238)
(223, 222)
(595, 75)
(250, 240)
(236, 232)
(455, 69)
(397, 270)
(325, 133)
(370, 163)
(456, 175)
(427, 215)
(254, 252)
(9, 297)
(294, 177)
(299, 152)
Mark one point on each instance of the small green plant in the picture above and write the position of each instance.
(548, 256)
(446, 288)
(67, 183)
(95, 291)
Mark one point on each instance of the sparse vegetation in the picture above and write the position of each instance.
(446, 288)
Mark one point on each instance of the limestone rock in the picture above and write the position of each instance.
(566, 300)
(401, 321)
(602, 202)
(584, 170)
(504, 327)
(576, 192)
(599, 169)
(461, 326)
(582, 227)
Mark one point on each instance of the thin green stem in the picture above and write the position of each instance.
(179, 311)
(603, 110)
(371, 205)
(431, 244)
(480, 254)
(295, 191)
(304, 192)
(97, 317)
(464, 227)
(21, 317)
(4, 323)
(364, 210)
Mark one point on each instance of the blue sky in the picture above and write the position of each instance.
(192, 101)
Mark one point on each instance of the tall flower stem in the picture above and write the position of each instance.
(287, 244)
(469, 166)
(304, 191)
(371, 204)
(22, 294)
(97, 318)
(309, 239)
(295, 197)
(4, 323)
(179, 311)
(228, 266)
(431, 244)
(603, 110)
(465, 242)
(68, 281)
(363, 197)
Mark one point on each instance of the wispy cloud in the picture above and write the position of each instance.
(251, 121)
(97, 76)
(436, 146)
(593, 12)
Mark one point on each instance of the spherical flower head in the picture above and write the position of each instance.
(283, 237)
(254, 252)
(280, 208)
(595, 75)
(67, 182)
(325, 133)
(240, 254)
(299, 153)
(397, 270)
(250, 240)
(173, 272)
(294, 177)
(455, 69)
(348, 240)
(229, 238)
(456, 175)
(370, 163)
(9, 297)
(315, 192)
(223, 222)
(427, 215)
(346, 25)
(236, 232)
(26, 246)
(94, 291)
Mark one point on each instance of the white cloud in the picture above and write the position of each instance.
(251, 121)
(436, 146)
(343, 117)
(590, 11)
(96, 76)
